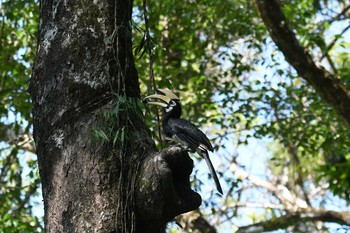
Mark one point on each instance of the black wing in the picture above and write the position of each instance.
(190, 134)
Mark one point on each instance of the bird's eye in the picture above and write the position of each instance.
(170, 106)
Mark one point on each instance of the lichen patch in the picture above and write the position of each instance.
(58, 138)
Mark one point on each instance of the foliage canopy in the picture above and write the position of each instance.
(232, 80)
(19, 180)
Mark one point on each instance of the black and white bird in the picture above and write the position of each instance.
(183, 131)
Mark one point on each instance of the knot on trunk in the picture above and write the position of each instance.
(164, 189)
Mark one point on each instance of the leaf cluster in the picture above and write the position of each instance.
(117, 125)
(19, 178)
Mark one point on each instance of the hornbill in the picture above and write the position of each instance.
(183, 131)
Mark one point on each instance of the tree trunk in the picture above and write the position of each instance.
(99, 168)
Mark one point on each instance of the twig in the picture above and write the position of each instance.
(257, 205)
(330, 46)
(338, 16)
(32, 189)
(151, 72)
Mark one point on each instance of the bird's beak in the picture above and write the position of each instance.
(160, 97)
(165, 95)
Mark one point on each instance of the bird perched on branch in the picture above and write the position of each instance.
(183, 131)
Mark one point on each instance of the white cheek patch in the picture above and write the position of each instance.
(169, 109)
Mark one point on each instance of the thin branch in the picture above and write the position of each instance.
(32, 189)
(257, 205)
(330, 46)
(331, 64)
(5, 167)
(319, 191)
(149, 45)
(292, 151)
(289, 200)
(151, 58)
(338, 16)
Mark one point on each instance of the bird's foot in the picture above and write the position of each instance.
(178, 146)
(186, 148)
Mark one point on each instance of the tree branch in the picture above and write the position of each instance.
(30, 192)
(195, 222)
(330, 46)
(23, 141)
(302, 215)
(257, 205)
(326, 85)
(339, 16)
(288, 199)
(296, 208)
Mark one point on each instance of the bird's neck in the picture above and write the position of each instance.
(175, 113)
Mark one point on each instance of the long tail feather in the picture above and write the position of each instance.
(204, 154)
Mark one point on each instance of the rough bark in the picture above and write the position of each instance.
(175, 196)
(326, 84)
(84, 68)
